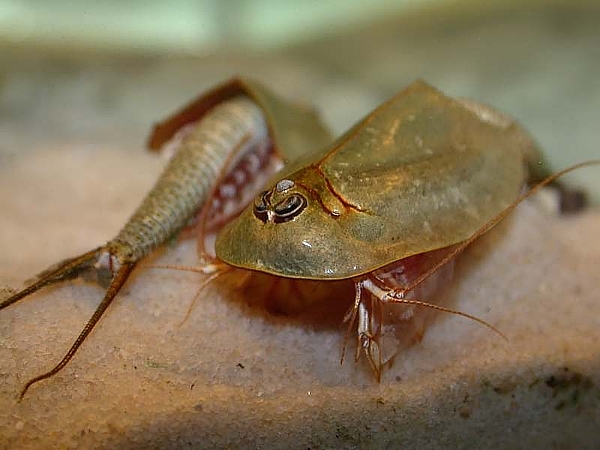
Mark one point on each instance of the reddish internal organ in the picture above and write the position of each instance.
(239, 186)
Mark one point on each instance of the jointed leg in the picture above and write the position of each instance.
(369, 318)
(391, 295)
(368, 328)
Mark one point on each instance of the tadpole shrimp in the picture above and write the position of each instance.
(382, 212)
(385, 210)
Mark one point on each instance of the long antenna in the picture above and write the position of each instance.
(491, 224)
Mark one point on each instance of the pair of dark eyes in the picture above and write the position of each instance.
(285, 210)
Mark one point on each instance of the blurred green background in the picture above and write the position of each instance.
(108, 70)
(200, 27)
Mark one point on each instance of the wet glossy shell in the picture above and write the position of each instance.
(421, 172)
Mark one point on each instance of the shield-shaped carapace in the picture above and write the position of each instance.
(388, 204)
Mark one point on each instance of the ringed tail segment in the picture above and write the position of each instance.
(223, 123)
(294, 129)
(181, 189)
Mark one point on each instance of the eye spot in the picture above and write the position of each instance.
(284, 185)
(283, 211)
(261, 208)
(289, 208)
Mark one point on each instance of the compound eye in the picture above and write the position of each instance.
(261, 206)
(289, 208)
